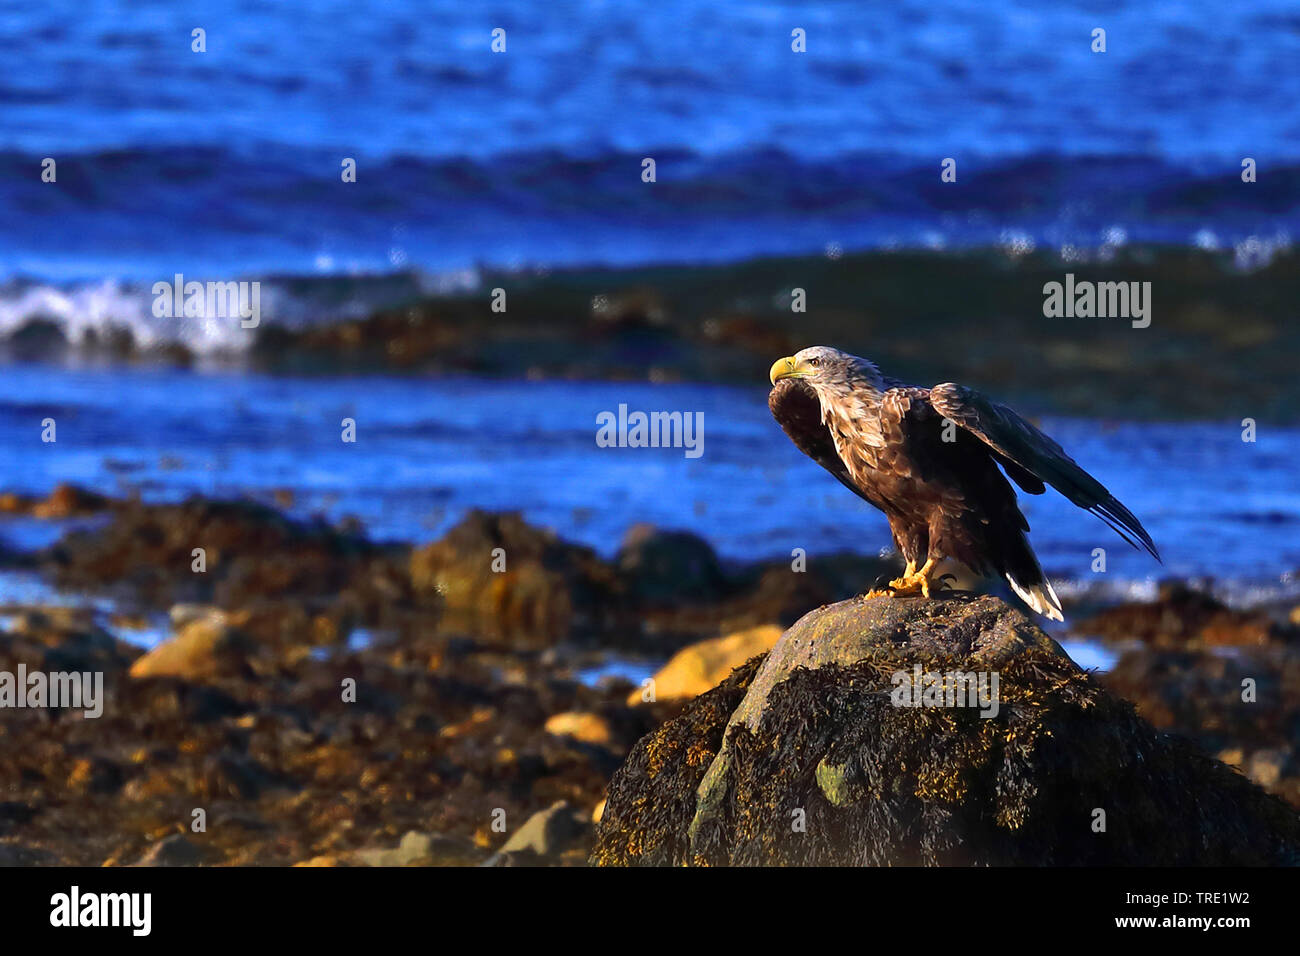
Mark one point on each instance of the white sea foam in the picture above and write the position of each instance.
(87, 313)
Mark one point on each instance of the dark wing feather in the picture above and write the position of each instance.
(1028, 450)
(795, 407)
(1027, 480)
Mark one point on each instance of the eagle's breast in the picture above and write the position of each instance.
(852, 416)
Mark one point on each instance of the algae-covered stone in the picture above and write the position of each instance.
(505, 579)
(694, 669)
(836, 784)
(545, 836)
(586, 727)
(668, 567)
(201, 650)
(810, 756)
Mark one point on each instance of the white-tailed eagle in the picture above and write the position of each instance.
(928, 458)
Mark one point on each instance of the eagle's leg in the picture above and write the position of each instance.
(914, 579)
(889, 589)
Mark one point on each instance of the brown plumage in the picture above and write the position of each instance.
(929, 459)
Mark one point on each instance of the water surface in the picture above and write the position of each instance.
(428, 450)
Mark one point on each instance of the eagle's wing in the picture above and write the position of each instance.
(795, 407)
(1015, 441)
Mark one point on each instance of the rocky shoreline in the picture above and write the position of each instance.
(1218, 329)
(857, 741)
(326, 699)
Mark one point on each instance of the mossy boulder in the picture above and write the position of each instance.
(503, 579)
(808, 757)
(667, 567)
(252, 555)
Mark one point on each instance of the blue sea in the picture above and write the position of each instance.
(227, 164)
(428, 450)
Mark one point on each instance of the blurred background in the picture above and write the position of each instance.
(522, 171)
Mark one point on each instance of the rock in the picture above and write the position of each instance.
(235, 776)
(16, 854)
(252, 553)
(199, 704)
(15, 813)
(442, 727)
(37, 339)
(202, 650)
(824, 579)
(1268, 767)
(669, 566)
(549, 590)
(836, 784)
(1182, 617)
(695, 669)
(545, 835)
(424, 849)
(96, 775)
(176, 850)
(1234, 705)
(587, 727)
(803, 757)
(13, 503)
(51, 624)
(630, 310)
(67, 501)
(63, 639)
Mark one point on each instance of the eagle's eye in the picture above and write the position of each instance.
(815, 362)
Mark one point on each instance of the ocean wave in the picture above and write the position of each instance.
(116, 313)
(148, 213)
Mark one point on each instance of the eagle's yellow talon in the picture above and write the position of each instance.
(914, 579)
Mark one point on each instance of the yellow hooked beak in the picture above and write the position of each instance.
(786, 368)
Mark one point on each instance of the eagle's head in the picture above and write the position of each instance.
(821, 365)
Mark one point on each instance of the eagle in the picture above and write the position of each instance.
(937, 461)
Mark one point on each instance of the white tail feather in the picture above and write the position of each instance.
(1040, 597)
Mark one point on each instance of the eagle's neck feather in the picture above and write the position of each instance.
(851, 412)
